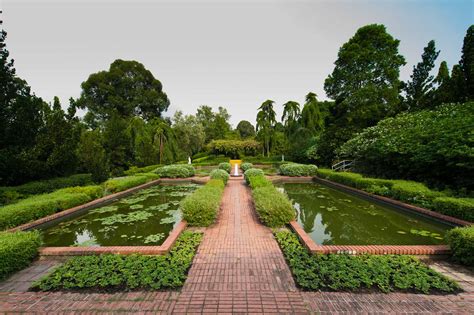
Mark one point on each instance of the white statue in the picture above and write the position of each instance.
(189, 160)
(282, 158)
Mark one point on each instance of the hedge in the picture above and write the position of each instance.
(246, 166)
(123, 183)
(406, 191)
(201, 207)
(137, 170)
(225, 166)
(338, 272)
(234, 148)
(39, 206)
(252, 172)
(219, 174)
(259, 181)
(125, 272)
(17, 250)
(461, 242)
(294, 169)
(176, 171)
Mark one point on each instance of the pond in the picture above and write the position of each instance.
(144, 218)
(334, 217)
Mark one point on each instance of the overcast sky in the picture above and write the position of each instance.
(235, 54)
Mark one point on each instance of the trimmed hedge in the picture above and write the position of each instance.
(17, 250)
(201, 207)
(225, 166)
(219, 174)
(461, 242)
(137, 170)
(259, 181)
(114, 185)
(39, 206)
(246, 166)
(273, 207)
(129, 272)
(406, 191)
(294, 169)
(359, 273)
(252, 172)
(176, 171)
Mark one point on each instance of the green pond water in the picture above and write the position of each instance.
(144, 218)
(333, 217)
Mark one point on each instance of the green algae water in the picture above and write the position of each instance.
(333, 217)
(144, 218)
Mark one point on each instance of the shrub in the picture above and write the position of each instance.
(252, 172)
(39, 206)
(462, 208)
(219, 174)
(272, 206)
(359, 273)
(176, 171)
(201, 207)
(461, 242)
(246, 166)
(234, 148)
(17, 250)
(130, 272)
(293, 169)
(413, 192)
(259, 181)
(123, 183)
(137, 170)
(225, 166)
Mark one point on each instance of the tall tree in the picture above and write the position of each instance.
(467, 63)
(419, 90)
(442, 94)
(117, 144)
(311, 116)
(266, 119)
(216, 125)
(92, 156)
(190, 135)
(245, 129)
(291, 114)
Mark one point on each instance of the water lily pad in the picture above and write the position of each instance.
(134, 207)
(104, 209)
(401, 232)
(154, 238)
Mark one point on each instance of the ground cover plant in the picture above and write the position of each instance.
(338, 272)
(219, 174)
(406, 191)
(176, 171)
(125, 272)
(123, 183)
(461, 242)
(225, 166)
(201, 207)
(17, 250)
(294, 169)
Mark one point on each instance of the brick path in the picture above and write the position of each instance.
(238, 268)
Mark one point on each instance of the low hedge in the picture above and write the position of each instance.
(129, 272)
(225, 166)
(219, 174)
(17, 250)
(457, 207)
(259, 181)
(176, 171)
(39, 206)
(114, 185)
(137, 170)
(201, 207)
(359, 273)
(246, 166)
(273, 207)
(461, 242)
(252, 172)
(294, 169)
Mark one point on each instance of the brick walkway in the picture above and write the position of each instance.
(238, 268)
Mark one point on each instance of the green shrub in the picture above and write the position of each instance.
(294, 169)
(39, 206)
(137, 170)
(114, 185)
(346, 178)
(201, 207)
(234, 148)
(225, 166)
(176, 171)
(413, 192)
(252, 172)
(359, 273)
(17, 250)
(246, 166)
(219, 174)
(462, 208)
(129, 272)
(272, 206)
(259, 181)
(461, 242)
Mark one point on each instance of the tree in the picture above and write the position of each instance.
(164, 139)
(216, 125)
(291, 114)
(467, 62)
(116, 142)
(266, 119)
(92, 156)
(141, 143)
(311, 116)
(126, 89)
(245, 129)
(419, 91)
(190, 135)
(442, 94)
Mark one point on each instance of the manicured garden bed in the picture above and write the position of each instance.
(17, 250)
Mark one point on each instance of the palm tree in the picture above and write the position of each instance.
(291, 113)
(266, 119)
(162, 135)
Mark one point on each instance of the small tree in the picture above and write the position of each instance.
(245, 129)
(92, 156)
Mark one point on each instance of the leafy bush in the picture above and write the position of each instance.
(246, 166)
(176, 171)
(225, 166)
(39, 206)
(119, 272)
(294, 169)
(252, 172)
(234, 148)
(272, 206)
(259, 181)
(352, 273)
(201, 207)
(123, 183)
(462, 208)
(461, 242)
(146, 169)
(219, 174)
(17, 250)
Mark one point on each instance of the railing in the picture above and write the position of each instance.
(343, 166)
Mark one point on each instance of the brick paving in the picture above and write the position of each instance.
(238, 269)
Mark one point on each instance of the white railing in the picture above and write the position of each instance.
(343, 166)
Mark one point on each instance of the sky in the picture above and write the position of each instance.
(235, 54)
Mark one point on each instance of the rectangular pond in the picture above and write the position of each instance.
(334, 217)
(143, 218)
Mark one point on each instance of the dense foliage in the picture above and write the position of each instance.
(234, 148)
(125, 272)
(201, 207)
(225, 166)
(461, 242)
(123, 183)
(176, 171)
(293, 169)
(252, 172)
(246, 166)
(17, 250)
(353, 273)
(137, 170)
(219, 174)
